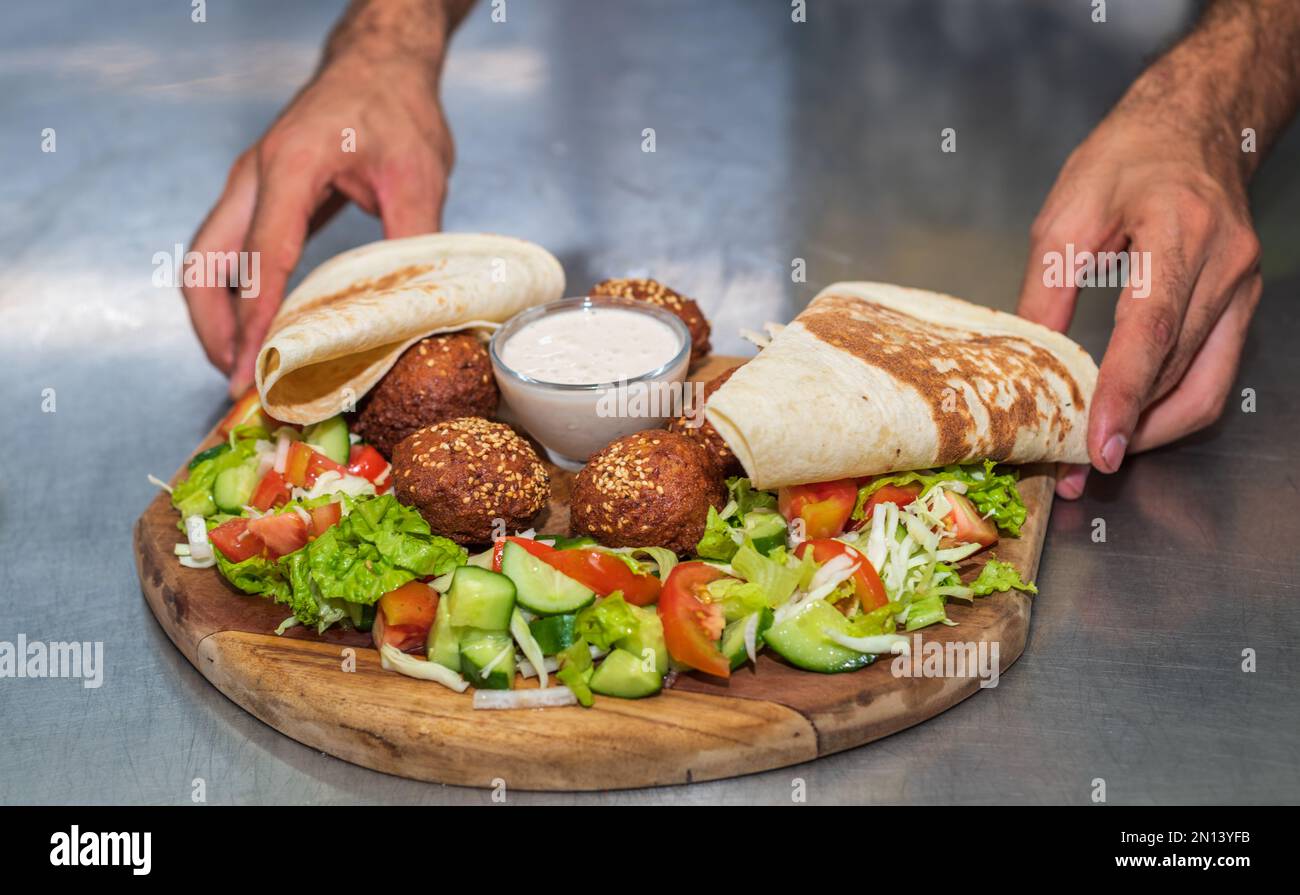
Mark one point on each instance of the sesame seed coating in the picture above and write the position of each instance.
(706, 436)
(438, 378)
(651, 488)
(656, 293)
(465, 474)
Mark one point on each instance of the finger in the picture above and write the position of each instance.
(1146, 329)
(1049, 292)
(209, 304)
(1234, 261)
(411, 195)
(1200, 396)
(289, 193)
(1071, 479)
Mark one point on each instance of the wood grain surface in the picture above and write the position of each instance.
(764, 717)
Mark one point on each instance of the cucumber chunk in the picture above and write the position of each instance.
(330, 437)
(554, 633)
(733, 638)
(487, 659)
(767, 531)
(542, 589)
(480, 599)
(649, 635)
(233, 487)
(442, 645)
(800, 641)
(625, 675)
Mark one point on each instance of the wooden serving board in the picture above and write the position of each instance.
(766, 717)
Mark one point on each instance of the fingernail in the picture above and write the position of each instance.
(1112, 454)
(1071, 485)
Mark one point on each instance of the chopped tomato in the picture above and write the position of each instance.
(235, 541)
(404, 616)
(605, 573)
(867, 586)
(824, 507)
(899, 495)
(247, 409)
(282, 533)
(693, 626)
(365, 461)
(601, 571)
(271, 491)
(305, 464)
(323, 517)
(967, 524)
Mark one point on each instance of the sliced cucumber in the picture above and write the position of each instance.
(480, 599)
(649, 635)
(542, 589)
(800, 641)
(233, 487)
(767, 531)
(214, 451)
(487, 659)
(625, 675)
(574, 543)
(442, 645)
(554, 633)
(331, 438)
(733, 637)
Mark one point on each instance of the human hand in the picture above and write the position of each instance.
(300, 173)
(1144, 181)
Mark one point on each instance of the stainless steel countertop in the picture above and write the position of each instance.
(775, 141)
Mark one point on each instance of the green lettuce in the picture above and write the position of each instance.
(747, 497)
(718, 543)
(998, 576)
(575, 670)
(778, 574)
(995, 496)
(377, 547)
(606, 622)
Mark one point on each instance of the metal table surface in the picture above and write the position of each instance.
(775, 141)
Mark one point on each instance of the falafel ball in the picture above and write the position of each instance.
(648, 489)
(657, 293)
(439, 378)
(706, 436)
(463, 475)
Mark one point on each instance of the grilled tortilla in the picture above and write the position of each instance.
(872, 378)
(347, 323)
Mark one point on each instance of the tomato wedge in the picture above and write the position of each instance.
(323, 517)
(247, 409)
(305, 464)
(364, 460)
(967, 524)
(899, 495)
(824, 507)
(404, 616)
(602, 572)
(867, 586)
(283, 533)
(271, 491)
(692, 627)
(235, 541)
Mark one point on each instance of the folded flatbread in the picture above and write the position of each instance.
(873, 378)
(346, 324)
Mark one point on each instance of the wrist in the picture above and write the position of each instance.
(383, 33)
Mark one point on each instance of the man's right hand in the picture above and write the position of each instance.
(367, 127)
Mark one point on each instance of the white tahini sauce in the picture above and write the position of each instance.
(583, 346)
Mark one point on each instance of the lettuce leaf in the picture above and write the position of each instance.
(778, 574)
(575, 669)
(377, 547)
(747, 497)
(606, 622)
(717, 542)
(995, 496)
(998, 576)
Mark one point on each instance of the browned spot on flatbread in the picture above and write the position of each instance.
(394, 279)
(1007, 374)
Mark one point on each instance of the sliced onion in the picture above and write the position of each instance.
(190, 563)
(154, 480)
(282, 444)
(543, 698)
(751, 637)
(196, 531)
(394, 659)
(878, 645)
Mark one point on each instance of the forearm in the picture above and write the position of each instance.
(1239, 68)
(378, 30)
